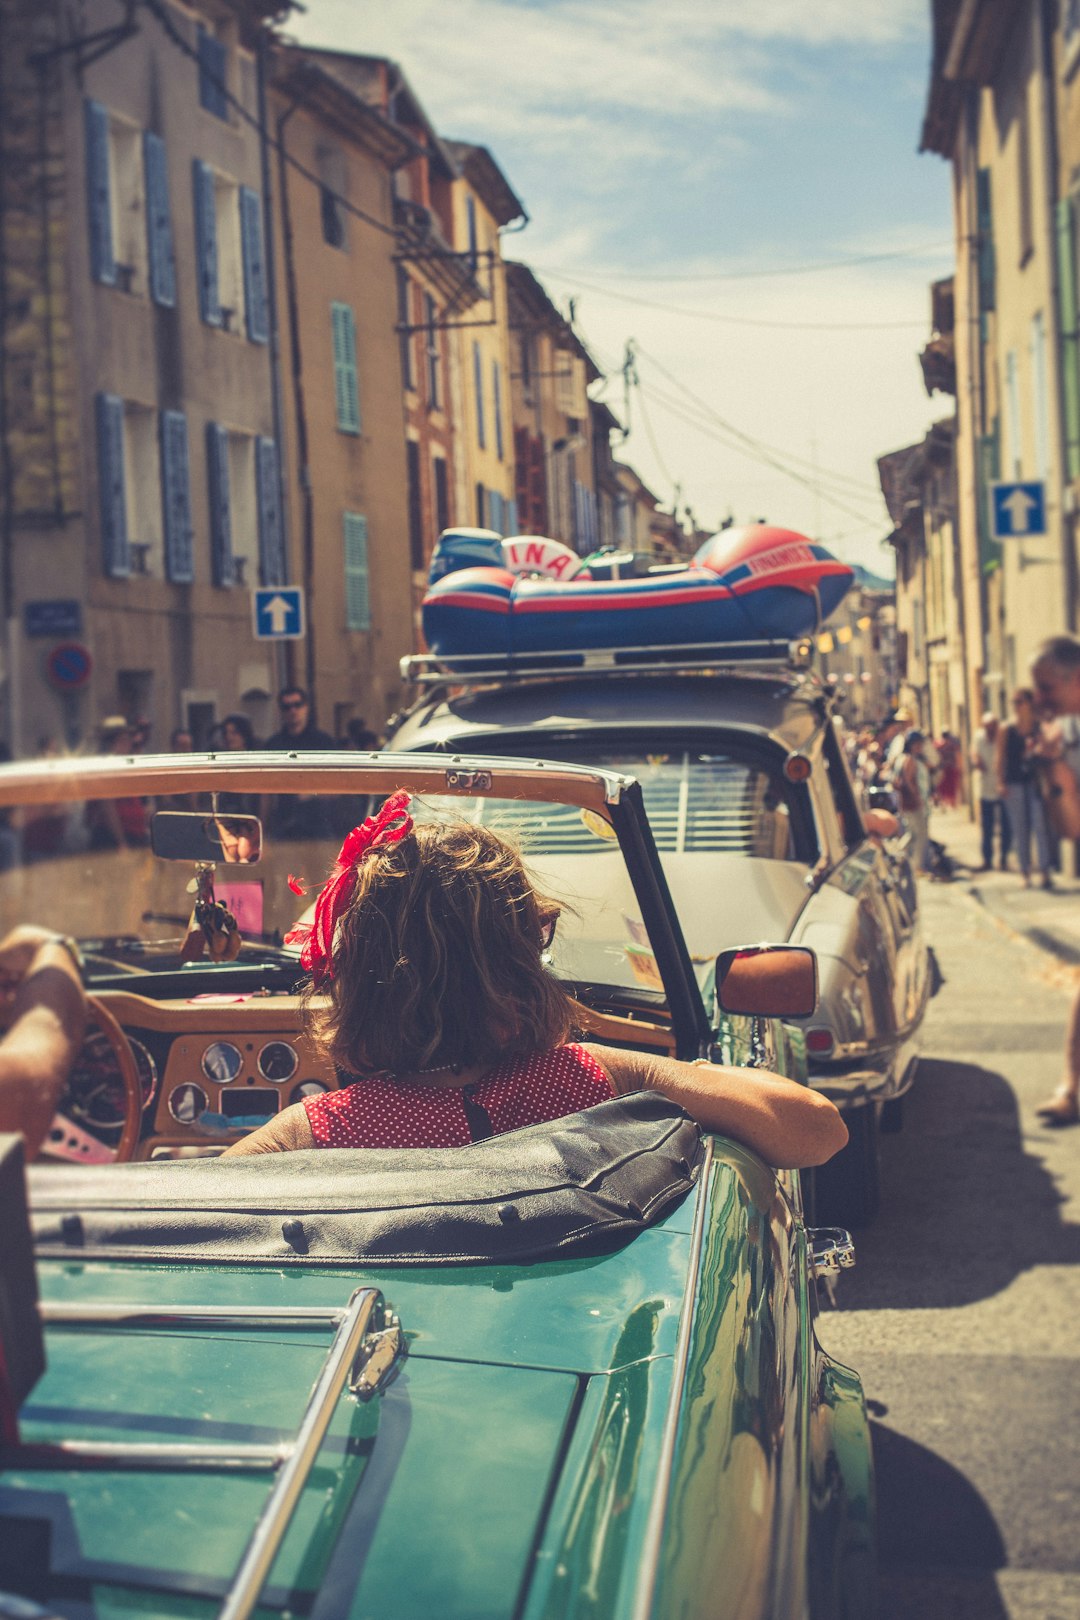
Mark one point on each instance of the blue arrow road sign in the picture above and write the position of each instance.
(278, 612)
(1019, 509)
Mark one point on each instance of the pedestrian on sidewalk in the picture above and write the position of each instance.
(991, 803)
(1018, 739)
(1055, 670)
(913, 786)
(949, 775)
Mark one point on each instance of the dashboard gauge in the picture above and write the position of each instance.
(307, 1088)
(222, 1062)
(277, 1062)
(148, 1074)
(188, 1102)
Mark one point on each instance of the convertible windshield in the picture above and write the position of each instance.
(89, 870)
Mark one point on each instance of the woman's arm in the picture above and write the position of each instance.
(285, 1133)
(46, 1032)
(790, 1126)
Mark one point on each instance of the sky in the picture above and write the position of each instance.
(733, 188)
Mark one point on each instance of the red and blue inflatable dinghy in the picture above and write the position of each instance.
(529, 595)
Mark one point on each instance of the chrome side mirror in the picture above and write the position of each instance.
(767, 981)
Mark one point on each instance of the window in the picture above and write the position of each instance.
(431, 351)
(1066, 222)
(478, 386)
(481, 507)
(145, 496)
(495, 510)
(985, 228)
(213, 74)
(130, 241)
(526, 343)
(416, 510)
(346, 381)
(231, 252)
(496, 385)
(357, 590)
(333, 177)
(1023, 162)
(470, 216)
(442, 494)
(1012, 406)
(405, 337)
(1070, 35)
(569, 383)
(237, 487)
(1040, 385)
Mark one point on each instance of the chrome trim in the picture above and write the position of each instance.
(654, 1528)
(366, 1352)
(829, 1250)
(289, 1047)
(426, 669)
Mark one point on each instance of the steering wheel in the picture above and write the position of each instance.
(100, 1021)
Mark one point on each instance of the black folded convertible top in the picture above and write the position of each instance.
(581, 1183)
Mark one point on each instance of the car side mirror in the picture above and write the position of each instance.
(881, 824)
(767, 981)
(195, 835)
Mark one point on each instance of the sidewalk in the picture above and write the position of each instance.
(1049, 919)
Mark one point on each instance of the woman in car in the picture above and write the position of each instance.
(428, 944)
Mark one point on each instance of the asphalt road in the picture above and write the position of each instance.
(963, 1316)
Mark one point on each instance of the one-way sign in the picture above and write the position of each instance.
(1019, 509)
(278, 612)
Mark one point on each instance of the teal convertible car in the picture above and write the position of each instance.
(570, 1371)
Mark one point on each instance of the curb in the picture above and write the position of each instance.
(1043, 939)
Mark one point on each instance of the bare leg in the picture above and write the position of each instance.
(1063, 1108)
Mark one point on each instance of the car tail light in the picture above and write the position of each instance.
(797, 768)
(819, 1041)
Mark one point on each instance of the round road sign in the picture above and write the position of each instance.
(69, 664)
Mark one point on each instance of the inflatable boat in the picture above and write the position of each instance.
(531, 595)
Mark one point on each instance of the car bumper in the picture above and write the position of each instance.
(881, 1080)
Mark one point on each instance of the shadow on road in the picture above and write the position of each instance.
(938, 1542)
(965, 1208)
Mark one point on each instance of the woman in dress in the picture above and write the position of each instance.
(426, 954)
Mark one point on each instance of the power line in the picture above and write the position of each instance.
(755, 447)
(741, 320)
(755, 275)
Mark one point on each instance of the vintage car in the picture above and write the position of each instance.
(761, 836)
(614, 1403)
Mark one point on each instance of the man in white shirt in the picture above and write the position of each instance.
(991, 804)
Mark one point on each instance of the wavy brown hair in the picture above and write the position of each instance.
(437, 959)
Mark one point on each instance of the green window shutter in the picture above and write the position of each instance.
(346, 382)
(989, 473)
(985, 229)
(357, 583)
(1070, 358)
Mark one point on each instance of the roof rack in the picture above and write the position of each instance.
(739, 657)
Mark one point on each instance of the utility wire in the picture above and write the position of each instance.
(751, 450)
(755, 275)
(160, 12)
(741, 320)
(711, 412)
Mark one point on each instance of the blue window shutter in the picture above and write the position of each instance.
(478, 384)
(346, 381)
(495, 510)
(206, 243)
(176, 498)
(357, 582)
(98, 198)
(116, 558)
(159, 237)
(511, 517)
(217, 476)
(497, 387)
(271, 531)
(255, 290)
(212, 68)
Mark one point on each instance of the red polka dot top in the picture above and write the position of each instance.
(381, 1113)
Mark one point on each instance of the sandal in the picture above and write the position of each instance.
(1063, 1108)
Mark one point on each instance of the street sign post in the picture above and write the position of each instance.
(278, 613)
(68, 666)
(1019, 510)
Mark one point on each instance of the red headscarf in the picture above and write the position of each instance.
(392, 823)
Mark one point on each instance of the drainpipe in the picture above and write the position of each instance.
(307, 505)
(282, 651)
(1044, 23)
